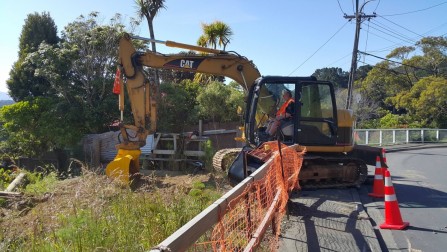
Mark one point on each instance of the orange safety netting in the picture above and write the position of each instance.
(262, 203)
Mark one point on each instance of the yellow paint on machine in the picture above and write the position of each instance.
(124, 165)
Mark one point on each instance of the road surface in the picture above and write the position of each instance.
(419, 178)
(330, 220)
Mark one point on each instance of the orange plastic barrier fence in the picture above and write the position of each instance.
(262, 204)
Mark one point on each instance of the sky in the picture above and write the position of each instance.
(282, 37)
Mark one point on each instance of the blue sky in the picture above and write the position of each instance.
(283, 37)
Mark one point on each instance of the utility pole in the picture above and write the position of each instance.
(359, 16)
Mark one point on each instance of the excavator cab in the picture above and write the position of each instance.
(332, 159)
(314, 122)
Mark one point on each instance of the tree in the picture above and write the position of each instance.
(228, 98)
(33, 127)
(23, 84)
(38, 28)
(177, 107)
(82, 68)
(336, 75)
(79, 72)
(435, 52)
(426, 101)
(149, 9)
(215, 34)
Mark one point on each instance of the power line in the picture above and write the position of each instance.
(367, 37)
(392, 35)
(403, 64)
(384, 68)
(376, 7)
(400, 26)
(339, 5)
(393, 32)
(433, 29)
(399, 14)
(319, 48)
(395, 43)
(350, 53)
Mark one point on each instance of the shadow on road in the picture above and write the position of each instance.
(414, 196)
(320, 221)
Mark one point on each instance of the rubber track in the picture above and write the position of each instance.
(220, 155)
(362, 172)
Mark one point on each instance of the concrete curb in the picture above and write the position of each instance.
(405, 147)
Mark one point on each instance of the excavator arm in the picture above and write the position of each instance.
(142, 94)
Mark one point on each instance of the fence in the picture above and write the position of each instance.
(239, 219)
(399, 136)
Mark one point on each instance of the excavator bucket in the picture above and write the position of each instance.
(125, 164)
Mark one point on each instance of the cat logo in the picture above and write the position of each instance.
(186, 63)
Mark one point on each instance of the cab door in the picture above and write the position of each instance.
(317, 120)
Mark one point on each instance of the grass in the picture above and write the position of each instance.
(92, 214)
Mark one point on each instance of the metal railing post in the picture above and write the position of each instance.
(366, 137)
(422, 135)
(407, 140)
(394, 136)
(380, 137)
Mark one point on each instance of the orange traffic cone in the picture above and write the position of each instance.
(393, 219)
(378, 187)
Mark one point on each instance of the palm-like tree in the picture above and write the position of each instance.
(149, 9)
(215, 34)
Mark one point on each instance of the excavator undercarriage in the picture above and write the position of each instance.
(319, 170)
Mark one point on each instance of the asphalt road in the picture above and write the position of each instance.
(419, 177)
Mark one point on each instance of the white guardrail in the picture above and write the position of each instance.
(399, 136)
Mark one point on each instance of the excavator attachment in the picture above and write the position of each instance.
(125, 164)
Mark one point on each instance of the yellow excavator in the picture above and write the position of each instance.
(332, 159)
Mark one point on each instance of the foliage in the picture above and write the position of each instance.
(6, 177)
(39, 184)
(426, 101)
(128, 221)
(336, 75)
(215, 34)
(209, 154)
(23, 83)
(177, 107)
(219, 102)
(415, 88)
(38, 28)
(31, 127)
(149, 9)
(67, 87)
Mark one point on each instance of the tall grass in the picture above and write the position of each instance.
(123, 221)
